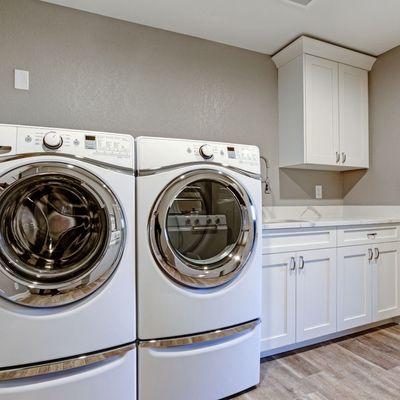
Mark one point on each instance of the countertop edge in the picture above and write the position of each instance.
(270, 225)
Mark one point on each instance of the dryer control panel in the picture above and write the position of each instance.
(154, 153)
(110, 148)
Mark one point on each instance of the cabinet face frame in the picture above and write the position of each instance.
(354, 286)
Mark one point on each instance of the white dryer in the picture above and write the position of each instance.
(198, 268)
(67, 278)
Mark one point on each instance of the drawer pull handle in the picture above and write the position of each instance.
(337, 157)
(292, 264)
(371, 235)
(377, 254)
(301, 266)
(370, 254)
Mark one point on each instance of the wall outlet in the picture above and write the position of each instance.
(318, 192)
(21, 79)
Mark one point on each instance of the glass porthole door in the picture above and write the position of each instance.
(202, 229)
(61, 234)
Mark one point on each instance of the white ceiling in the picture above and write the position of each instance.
(371, 26)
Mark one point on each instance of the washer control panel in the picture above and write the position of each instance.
(109, 148)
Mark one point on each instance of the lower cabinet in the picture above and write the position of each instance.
(308, 294)
(354, 286)
(299, 297)
(386, 281)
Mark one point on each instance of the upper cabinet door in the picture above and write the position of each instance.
(321, 111)
(353, 116)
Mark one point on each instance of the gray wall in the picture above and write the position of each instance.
(381, 183)
(92, 72)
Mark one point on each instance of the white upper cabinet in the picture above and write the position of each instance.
(323, 106)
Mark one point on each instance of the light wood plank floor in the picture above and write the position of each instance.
(360, 366)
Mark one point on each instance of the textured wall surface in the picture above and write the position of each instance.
(93, 72)
(381, 183)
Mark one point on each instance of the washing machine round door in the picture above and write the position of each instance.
(61, 234)
(202, 229)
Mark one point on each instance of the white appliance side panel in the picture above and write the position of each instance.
(114, 379)
(103, 320)
(154, 153)
(167, 309)
(200, 372)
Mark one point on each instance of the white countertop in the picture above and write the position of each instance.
(292, 223)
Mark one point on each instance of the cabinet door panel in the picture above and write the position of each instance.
(386, 288)
(316, 294)
(278, 301)
(321, 111)
(354, 290)
(353, 116)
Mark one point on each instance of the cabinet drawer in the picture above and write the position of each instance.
(284, 240)
(356, 235)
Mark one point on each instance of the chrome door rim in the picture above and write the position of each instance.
(31, 293)
(174, 265)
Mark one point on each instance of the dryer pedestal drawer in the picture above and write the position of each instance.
(203, 371)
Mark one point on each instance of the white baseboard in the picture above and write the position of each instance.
(325, 338)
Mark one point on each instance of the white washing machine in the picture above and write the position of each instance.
(67, 278)
(198, 268)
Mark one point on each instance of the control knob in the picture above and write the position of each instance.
(52, 140)
(206, 151)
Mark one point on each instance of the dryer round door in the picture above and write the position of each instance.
(61, 234)
(202, 229)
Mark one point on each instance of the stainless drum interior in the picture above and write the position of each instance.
(202, 229)
(61, 234)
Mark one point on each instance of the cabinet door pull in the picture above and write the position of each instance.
(344, 157)
(301, 265)
(292, 264)
(337, 157)
(377, 254)
(370, 255)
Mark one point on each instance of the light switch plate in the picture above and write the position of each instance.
(318, 192)
(21, 79)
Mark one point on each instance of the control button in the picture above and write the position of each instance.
(206, 151)
(189, 150)
(28, 139)
(52, 140)
(76, 142)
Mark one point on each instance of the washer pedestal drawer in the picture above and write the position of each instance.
(113, 378)
(208, 370)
